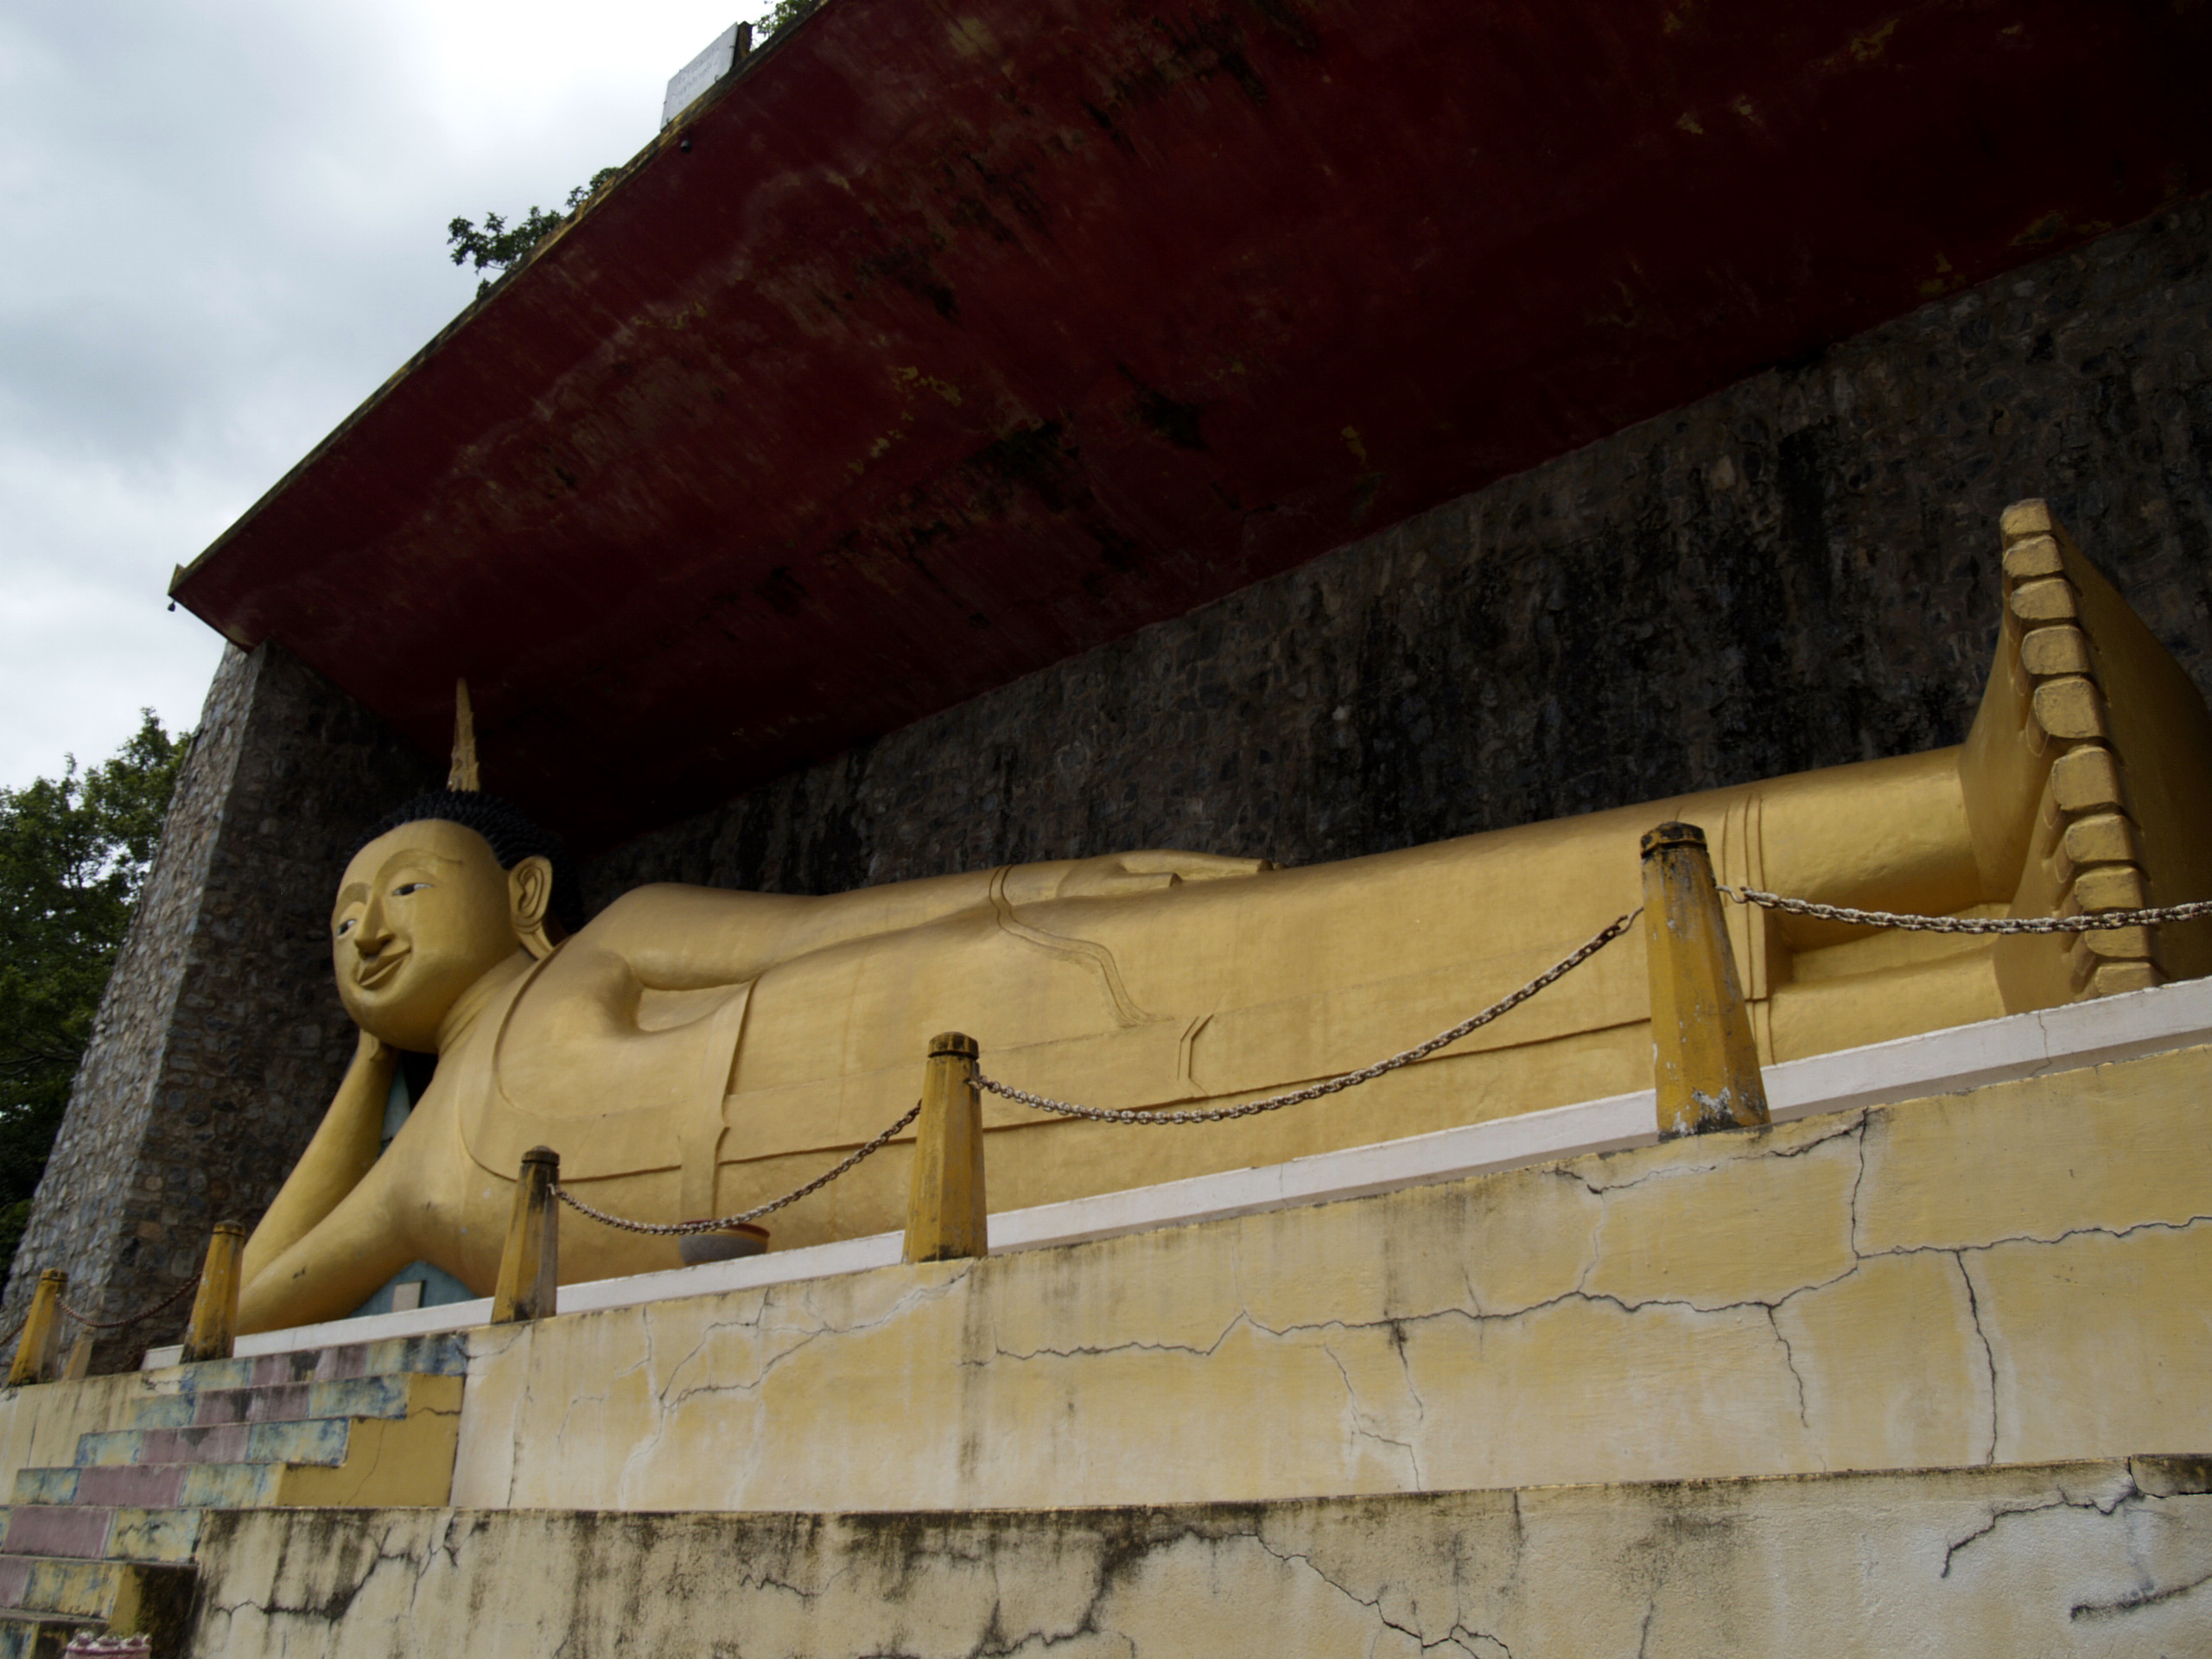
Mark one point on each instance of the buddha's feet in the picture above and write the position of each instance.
(2088, 777)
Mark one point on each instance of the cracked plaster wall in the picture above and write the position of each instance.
(2015, 1275)
(2103, 1557)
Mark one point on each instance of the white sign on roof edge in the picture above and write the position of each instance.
(703, 71)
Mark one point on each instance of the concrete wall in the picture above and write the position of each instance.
(220, 1037)
(2018, 1274)
(2100, 1558)
(1798, 571)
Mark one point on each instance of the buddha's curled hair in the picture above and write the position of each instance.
(512, 836)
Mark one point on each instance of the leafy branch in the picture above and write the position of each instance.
(495, 244)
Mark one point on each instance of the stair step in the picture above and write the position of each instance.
(125, 1596)
(437, 1355)
(154, 1486)
(315, 1440)
(101, 1532)
(388, 1396)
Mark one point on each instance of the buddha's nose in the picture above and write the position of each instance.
(375, 933)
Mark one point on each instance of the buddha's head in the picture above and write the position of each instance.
(452, 885)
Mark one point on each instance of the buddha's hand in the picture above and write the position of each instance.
(1120, 874)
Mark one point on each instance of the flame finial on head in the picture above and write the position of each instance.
(465, 777)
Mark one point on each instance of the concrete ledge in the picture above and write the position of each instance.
(2105, 1557)
(1935, 1063)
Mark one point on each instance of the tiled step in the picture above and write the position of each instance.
(396, 1451)
(125, 1596)
(96, 1532)
(152, 1486)
(279, 1402)
(310, 1440)
(438, 1356)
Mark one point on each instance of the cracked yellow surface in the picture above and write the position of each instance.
(2018, 1273)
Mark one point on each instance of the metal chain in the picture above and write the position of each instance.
(720, 1223)
(2085, 922)
(1597, 941)
(142, 1313)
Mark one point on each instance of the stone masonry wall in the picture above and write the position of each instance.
(1799, 571)
(221, 1038)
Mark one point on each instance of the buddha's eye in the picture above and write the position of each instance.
(346, 926)
(406, 887)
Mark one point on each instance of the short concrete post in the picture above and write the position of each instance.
(530, 1266)
(42, 1331)
(1704, 1064)
(946, 1216)
(215, 1326)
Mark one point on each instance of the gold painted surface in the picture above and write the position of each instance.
(1706, 1067)
(2017, 1272)
(695, 1051)
(947, 1214)
(214, 1322)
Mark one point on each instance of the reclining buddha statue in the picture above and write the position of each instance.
(693, 1051)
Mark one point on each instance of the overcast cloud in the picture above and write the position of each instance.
(222, 225)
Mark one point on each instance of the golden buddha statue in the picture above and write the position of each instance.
(693, 1051)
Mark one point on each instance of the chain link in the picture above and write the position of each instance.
(1597, 942)
(2086, 922)
(720, 1223)
(170, 1300)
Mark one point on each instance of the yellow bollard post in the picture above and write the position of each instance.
(79, 1365)
(213, 1327)
(530, 1265)
(946, 1217)
(1704, 1064)
(42, 1331)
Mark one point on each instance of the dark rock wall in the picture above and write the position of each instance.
(1799, 571)
(221, 1038)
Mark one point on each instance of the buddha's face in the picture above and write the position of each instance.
(423, 913)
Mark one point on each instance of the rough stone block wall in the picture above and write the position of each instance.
(1796, 572)
(221, 1038)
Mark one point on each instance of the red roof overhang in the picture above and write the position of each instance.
(947, 341)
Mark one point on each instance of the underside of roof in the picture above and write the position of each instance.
(945, 341)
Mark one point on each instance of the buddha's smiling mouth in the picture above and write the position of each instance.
(372, 974)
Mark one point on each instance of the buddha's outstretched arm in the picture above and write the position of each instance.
(678, 937)
(344, 1149)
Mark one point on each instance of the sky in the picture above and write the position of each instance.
(222, 226)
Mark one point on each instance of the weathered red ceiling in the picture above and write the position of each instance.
(948, 340)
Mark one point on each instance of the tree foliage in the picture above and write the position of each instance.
(496, 243)
(73, 853)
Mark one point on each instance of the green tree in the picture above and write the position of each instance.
(493, 244)
(73, 853)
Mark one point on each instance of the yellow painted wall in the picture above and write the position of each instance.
(2021, 1274)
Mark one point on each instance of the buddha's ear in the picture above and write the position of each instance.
(530, 903)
